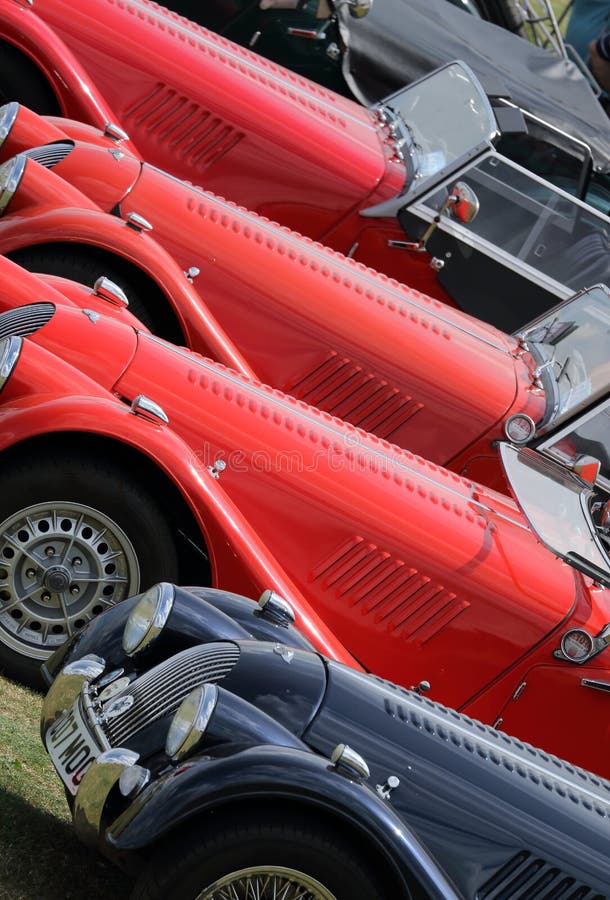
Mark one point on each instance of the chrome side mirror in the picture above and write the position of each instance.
(463, 203)
(358, 9)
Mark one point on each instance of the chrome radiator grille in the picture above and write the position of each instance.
(50, 154)
(24, 320)
(161, 690)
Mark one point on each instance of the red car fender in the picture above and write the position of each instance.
(235, 99)
(19, 287)
(28, 129)
(90, 226)
(76, 93)
(239, 560)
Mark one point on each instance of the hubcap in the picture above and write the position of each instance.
(266, 883)
(61, 564)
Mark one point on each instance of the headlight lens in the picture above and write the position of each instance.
(11, 173)
(8, 114)
(148, 618)
(10, 348)
(191, 720)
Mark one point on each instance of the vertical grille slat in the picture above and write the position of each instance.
(160, 691)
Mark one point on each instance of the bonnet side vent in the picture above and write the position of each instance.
(49, 155)
(525, 877)
(25, 320)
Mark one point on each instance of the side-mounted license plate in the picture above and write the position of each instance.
(72, 747)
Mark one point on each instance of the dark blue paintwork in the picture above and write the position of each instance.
(475, 814)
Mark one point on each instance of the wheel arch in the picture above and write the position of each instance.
(303, 809)
(31, 41)
(301, 781)
(118, 259)
(193, 548)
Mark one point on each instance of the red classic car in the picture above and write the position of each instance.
(294, 314)
(125, 459)
(213, 113)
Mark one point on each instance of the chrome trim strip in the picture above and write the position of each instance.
(596, 684)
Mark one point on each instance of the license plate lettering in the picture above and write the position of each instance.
(71, 748)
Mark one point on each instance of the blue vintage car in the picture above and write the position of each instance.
(202, 743)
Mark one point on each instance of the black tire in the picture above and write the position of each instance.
(85, 264)
(191, 864)
(21, 80)
(116, 535)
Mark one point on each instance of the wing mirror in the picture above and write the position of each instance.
(358, 9)
(462, 203)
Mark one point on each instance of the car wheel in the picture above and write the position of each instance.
(264, 857)
(85, 264)
(21, 80)
(76, 536)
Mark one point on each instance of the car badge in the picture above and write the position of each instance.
(91, 315)
(112, 689)
(117, 707)
(285, 652)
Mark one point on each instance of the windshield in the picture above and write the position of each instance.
(439, 120)
(561, 509)
(571, 345)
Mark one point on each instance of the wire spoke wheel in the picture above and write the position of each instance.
(61, 564)
(266, 883)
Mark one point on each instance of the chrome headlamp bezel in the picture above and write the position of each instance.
(10, 349)
(148, 618)
(190, 721)
(8, 115)
(11, 173)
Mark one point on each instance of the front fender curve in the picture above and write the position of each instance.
(240, 561)
(90, 227)
(77, 95)
(270, 774)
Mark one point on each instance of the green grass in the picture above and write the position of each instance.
(40, 856)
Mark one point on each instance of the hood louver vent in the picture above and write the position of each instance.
(525, 877)
(25, 319)
(49, 155)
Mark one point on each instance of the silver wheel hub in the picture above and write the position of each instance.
(266, 883)
(57, 578)
(61, 564)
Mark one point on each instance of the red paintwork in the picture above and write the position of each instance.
(303, 318)
(417, 572)
(216, 114)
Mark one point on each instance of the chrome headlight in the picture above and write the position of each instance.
(8, 114)
(191, 720)
(148, 618)
(10, 348)
(11, 173)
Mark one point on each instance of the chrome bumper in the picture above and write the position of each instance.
(103, 774)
